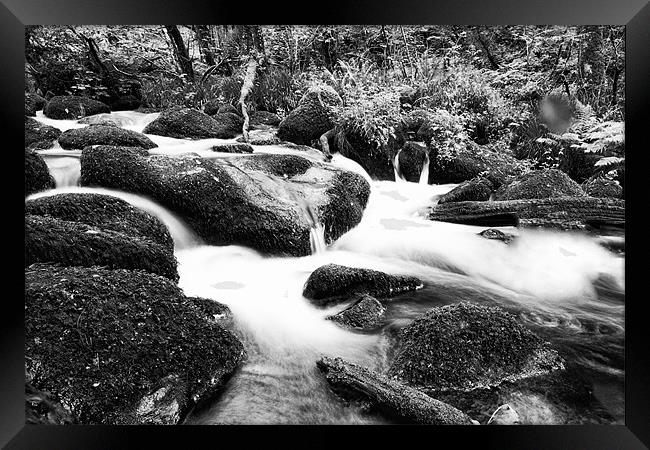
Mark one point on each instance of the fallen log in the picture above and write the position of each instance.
(388, 396)
(561, 212)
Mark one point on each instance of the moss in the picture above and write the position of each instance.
(550, 183)
(48, 239)
(314, 115)
(38, 135)
(476, 189)
(188, 123)
(366, 313)
(464, 346)
(412, 158)
(100, 340)
(37, 175)
(73, 107)
(78, 138)
(348, 196)
(603, 188)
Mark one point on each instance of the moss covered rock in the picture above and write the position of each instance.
(263, 201)
(120, 346)
(476, 189)
(100, 134)
(37, 175)
(212, 106)
(230, 122)
(314, 115)
(73, 107)
(602, 188)
(465, 346)
(412, 158)
(365, 313)
(551, 183)
(188, 123)
(39, 136)
(239, 147)
(33, 103)
(333, 283)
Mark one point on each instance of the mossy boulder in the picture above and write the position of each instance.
(476, 189)
(52, 240)
(264, 118)
(231, 122)
(37, 175)
(39, 136)
(314, 115)
(266, 202)
(412, 159)
(120, 346)
(464, 346)
(333, 283)
(212, 106)
(73, 107)
(602, 188)
(33, 103)
(551, 183)
(188, 123)
(365, 313)
(99, 134)
(377, 160)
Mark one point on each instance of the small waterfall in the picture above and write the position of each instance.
(398, 172)
(424, 175)
(316, 229)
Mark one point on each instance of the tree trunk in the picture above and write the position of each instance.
(180, 50)
(246, 88)
(493, 61)
(563, 212)
(206, 44)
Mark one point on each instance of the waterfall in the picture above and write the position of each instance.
(396, 169)
(424, 174)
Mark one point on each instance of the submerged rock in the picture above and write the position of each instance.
(52, 240)
(366, 313)
(37, 175)
(497, 235)
(390, 397)
(551, 183)
(477, 189)
(333, 283)
(188, 123)
(33, 103)
(239, 147)
(314, 115)
(39, 136)
(121, 347)
(73, 107)
(266, 202)
(465, 346)
(96, 134)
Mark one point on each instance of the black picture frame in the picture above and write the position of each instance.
(635, 14)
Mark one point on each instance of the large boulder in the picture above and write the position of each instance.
(73, 107)
(78, 138)
(37, 175)
(39, 136)
(388, 397)
(465, 346)
(189, 123)
(333, 283)
(262, 201)
(120, 346)
(314, 115)
(230, 122)
(476, 189)
(365, 313)
(411, 161)
(550, 183)
(33, 103)
(602, 188)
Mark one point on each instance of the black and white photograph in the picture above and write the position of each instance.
(325, 224)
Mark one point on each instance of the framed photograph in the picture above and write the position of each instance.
(409, 214)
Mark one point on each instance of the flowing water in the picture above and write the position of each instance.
(564, 286)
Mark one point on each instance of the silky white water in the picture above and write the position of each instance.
(565, 286)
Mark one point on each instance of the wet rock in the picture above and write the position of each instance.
(387, 396)
(333, 283)
(100, 119)
(102, 211)
(264, 118)
(551, 183)
(603, 188)
(412, 158)
(497, 235)
(465, 346)
(477, 189)
(33, 103)
(37, 175)
(73, 107)
(122, 347)
(39, 136)
(314, 115)
(262, 137)
(366, 313)
(188, 123)
(239, 147)
(51, 240)
(78, 138)
(261, 201)
(230, 122)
